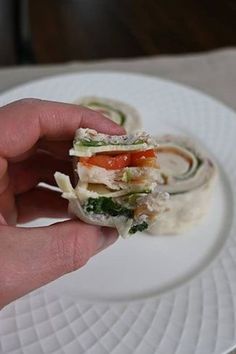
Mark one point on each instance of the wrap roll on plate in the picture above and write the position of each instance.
(188, 175)
(120, 112)
(117, 181)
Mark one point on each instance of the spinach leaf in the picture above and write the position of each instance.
(138, 227)
(104, 205)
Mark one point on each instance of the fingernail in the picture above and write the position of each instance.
(109, 236)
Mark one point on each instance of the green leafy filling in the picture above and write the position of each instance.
(88, 142)
(94, 143)
(107, 206)
(131, 198)
(138, 227)
(127, 176)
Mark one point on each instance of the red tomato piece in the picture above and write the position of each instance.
(115, 162)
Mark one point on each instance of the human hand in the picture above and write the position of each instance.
(35, 139)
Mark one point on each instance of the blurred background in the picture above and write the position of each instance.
(53, 31)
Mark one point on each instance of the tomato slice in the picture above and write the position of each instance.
(143, 158)
(115, 162)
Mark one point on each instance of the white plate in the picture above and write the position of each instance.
(145, 294)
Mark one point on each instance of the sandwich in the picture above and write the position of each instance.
(117, 180)
(188, 176)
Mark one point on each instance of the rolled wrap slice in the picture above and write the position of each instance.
(120, 112)
(188, 176)
(117, 181)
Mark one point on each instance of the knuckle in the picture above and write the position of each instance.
(80, 253)
(72, 250)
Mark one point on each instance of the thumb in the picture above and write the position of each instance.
(32, 257)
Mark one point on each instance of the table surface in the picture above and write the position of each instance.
(213, 73)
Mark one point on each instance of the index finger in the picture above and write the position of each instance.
(24, 122)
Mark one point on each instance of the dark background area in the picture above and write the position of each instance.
(50, 31)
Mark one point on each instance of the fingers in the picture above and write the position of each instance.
(39, 168)
(30, 258)
(40, 202)
(24, 122)
(58, 149)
